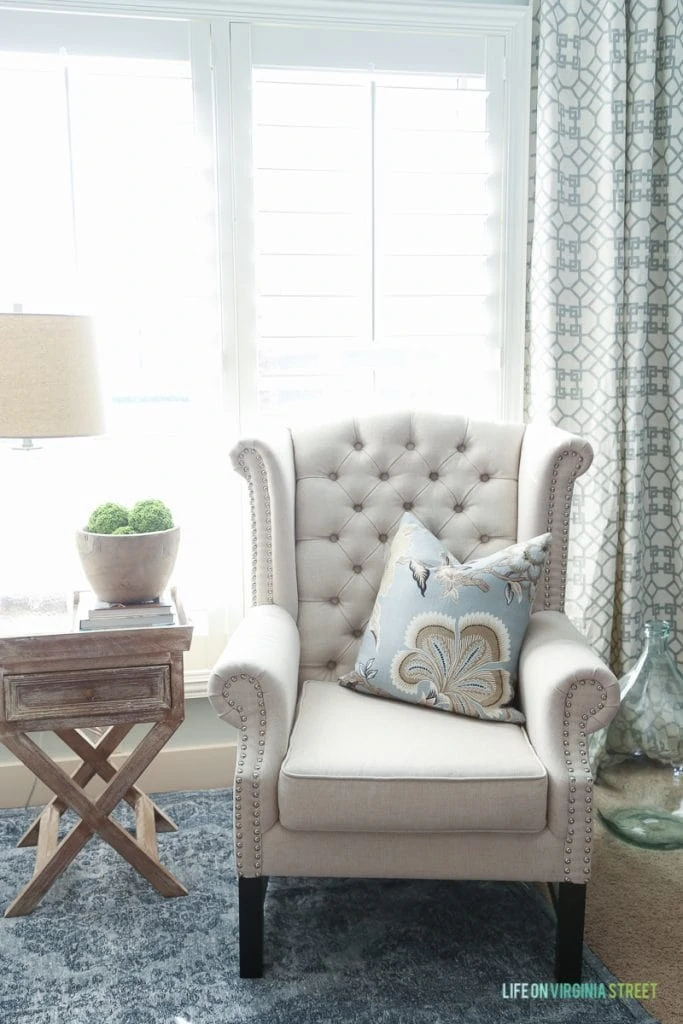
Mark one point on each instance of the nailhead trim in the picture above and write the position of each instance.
(260, 501)
(566, 511)
(577, 847)
(248, 774)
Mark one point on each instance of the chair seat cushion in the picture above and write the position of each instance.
(378, 766)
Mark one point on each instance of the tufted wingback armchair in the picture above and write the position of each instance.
(329, 782)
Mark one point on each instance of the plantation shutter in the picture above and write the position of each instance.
(377, 223)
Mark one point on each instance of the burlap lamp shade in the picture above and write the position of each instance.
(48, 377)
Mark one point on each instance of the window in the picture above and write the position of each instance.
(375, 230)
(267, 218)
(379, 210)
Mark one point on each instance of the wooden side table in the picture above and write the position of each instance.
(68, 681)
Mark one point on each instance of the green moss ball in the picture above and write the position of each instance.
(149, 516)
(107, 518)
(120, 530)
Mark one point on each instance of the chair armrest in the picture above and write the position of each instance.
(254, 686)
(557, 664)
(566, 692)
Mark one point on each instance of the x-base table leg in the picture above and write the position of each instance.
(53, 856)
(95, 758)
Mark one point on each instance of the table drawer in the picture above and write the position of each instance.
(96, 693)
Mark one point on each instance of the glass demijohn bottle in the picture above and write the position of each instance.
(638, 759)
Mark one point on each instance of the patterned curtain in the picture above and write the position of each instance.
(605, 300)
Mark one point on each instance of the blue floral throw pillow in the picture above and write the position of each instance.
(448, 635)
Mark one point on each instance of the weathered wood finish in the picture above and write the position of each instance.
(92, 765)
(146, 831)
(109, 694)
(70, 681)
(48, 838)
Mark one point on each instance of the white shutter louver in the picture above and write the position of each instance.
(373, 241)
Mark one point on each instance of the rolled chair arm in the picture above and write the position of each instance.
(566, 692)
(254, 686)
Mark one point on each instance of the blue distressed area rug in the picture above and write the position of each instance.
(103, 947)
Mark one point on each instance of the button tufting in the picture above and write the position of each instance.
(357, 633)
(358, 445)
(384, 476)
(334, 600)
(484, 477)
(357, 507)
(383, 538)
(407, 505)
(461, 446)
(458, 507)
(433, 475)
(331, 665)
(334, 538)
(410, 445)
(484, 538)
(358, 569)
(332, 476)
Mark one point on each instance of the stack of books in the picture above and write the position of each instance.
(102, 615)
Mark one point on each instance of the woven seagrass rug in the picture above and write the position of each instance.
(103, 947)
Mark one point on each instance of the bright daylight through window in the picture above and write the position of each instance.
(375, 241)
(106, 209)
(265, 221)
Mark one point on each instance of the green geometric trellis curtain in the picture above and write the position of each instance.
(605, 300)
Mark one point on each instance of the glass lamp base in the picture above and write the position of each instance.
(645, 827)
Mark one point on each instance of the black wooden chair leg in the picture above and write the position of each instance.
(570, 906)
(252, 894)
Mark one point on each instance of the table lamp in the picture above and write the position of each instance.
(49, 388)
(49, 384)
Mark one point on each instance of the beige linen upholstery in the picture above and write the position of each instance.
(527, 856)
(331, 782)
(269, 470)
(354, 482)
(550, 462)
(254, 687)
(565, 690)
(367, 765)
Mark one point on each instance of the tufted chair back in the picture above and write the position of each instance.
(339, 492)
